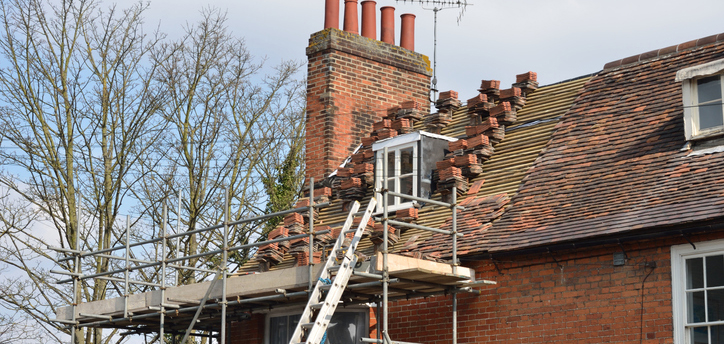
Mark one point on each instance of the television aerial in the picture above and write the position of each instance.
(437, 6)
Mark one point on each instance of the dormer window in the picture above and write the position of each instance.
(702, 89)
(410, 161)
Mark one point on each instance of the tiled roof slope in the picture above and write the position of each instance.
(503, 173)
(616, 164)
(492, 189)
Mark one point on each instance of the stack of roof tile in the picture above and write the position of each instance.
(408, 215)
(377, 236)
(527, 82)
(446, 105)
(270, 253)
(411, 110)
(302, 257)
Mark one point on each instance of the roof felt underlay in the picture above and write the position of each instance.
(616, 164)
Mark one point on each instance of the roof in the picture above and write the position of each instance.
(617, 161)
(489, 191)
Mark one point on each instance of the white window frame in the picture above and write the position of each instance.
(393, 177)
(298, 311)
(679, 254)
(689, 77)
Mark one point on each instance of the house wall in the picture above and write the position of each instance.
(352, 81)
(249, 331)
(584, 300)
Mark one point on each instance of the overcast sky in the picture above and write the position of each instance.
(558, 39)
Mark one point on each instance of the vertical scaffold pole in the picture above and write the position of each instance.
(76, 277)
(178, 239)
(225, 259)
(385, 271)
(311, 235)
(163, 272)
(126, 288)
(455, 262)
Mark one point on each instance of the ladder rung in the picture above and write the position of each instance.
(307, 325)
(317, 305)
(333, 268)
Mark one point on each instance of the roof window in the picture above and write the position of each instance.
(410, 161)
(702, 89)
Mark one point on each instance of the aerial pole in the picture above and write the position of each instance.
(438, 5)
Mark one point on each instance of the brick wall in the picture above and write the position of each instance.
(351, 81)
(250, 331)
(588, 300)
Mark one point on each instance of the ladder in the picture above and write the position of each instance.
(319, 310)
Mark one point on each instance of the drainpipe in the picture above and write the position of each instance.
(331, 14)
(407, 31)
(387, 29)
(369, 19)
(350, 16)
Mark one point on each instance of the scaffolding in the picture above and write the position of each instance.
(208, 316)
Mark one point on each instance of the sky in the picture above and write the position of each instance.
(558, 39)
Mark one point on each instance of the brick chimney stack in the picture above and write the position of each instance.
(351, 82)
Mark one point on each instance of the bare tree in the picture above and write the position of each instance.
(96, 115)
(230, 127)
(78, 111)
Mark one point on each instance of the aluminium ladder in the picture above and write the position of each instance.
(319, 310)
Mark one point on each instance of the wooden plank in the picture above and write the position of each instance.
(401, 266)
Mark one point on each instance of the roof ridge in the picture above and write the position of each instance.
(665, 51)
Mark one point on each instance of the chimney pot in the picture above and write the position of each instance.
(369, 19)
(350, 16)
(387, 30)
(407, 31)
(331, 14)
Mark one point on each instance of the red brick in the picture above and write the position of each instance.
(466, 160)
(480, 98)
(385, 123)
(488, 123)
(532, 76)
(441, 165)
(302, 203)
(368, 141)
(411, 104)
(457, 145)
(490, 84)
(409, 212)
(293, 218)
(325, 191)
(350, 183)
(364, 168)
(500, 108)
(449, 173)
(400, 123)
(509, 93)
(478, 140)
(280, 231)
(345, 172)
(448, 94)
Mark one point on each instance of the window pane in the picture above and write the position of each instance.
(391, 164)
(406, 160)
(699, 335)
(346, 328)
(715, 304)
(715, 271)
(406, 186)
(710, 116)
(694, 273)
(695, 307)
(717, 334)
(278, 330)
(709, 88)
